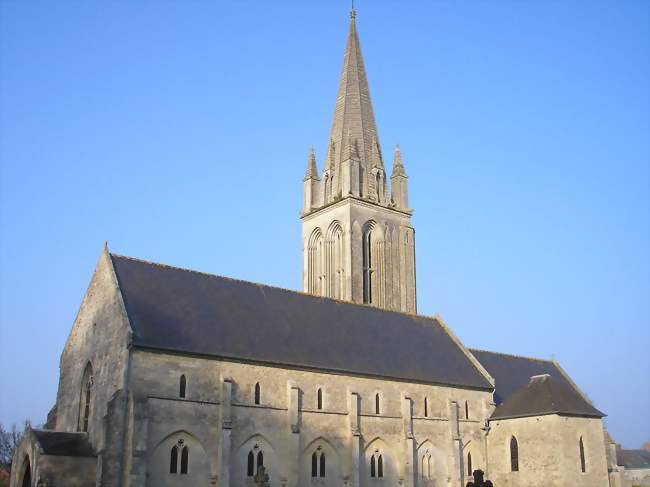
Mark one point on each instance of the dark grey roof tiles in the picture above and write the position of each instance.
(59, 443)
(510, 372)
(544, 395)
(189, 312)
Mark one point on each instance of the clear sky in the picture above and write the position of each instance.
(179, 132)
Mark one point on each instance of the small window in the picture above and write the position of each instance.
(583, 466)
(183, 386)
(314, 465)
(426, 407)
(373, 472)
(185, 459)
(380, 467)
(260, 460)
(257, 393)
(173, 460)
(514, 455)
(466, 410)
(319, 400)
(322, 465)
(250, 468)
(469, 464)
(377, 404)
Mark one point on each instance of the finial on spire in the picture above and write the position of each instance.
(312, 171)
(398, 164)
(353, 13)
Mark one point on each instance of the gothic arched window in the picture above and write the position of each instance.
(250, 468)
(466, 410)
(173, 460)
(373, 472)
(185, 459)
(322, 465)
(469, 464)
(380, 466)
(183, 386)
(514, 455)
(426, 469)
(367, 267)
(314, 465)
(426, 407)
(257, 393)
(583, 466)
(319, 400)
(85, 399)
(377, 404)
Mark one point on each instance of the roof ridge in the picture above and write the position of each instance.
(550, 361)
(301, 293)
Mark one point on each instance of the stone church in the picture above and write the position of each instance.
(173, 377)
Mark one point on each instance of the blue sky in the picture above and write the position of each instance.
(179, 132)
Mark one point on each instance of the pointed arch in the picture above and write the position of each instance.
(373, 260)
(320, 459)
(250, 464)
(514, 454)
(173, 460)
(432, 462)
(26, 473)
(179, 453)
(335, 261)
(316, 263)
(86, 399)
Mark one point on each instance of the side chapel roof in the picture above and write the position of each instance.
(531, 387)
(60, 443)
(183, 311)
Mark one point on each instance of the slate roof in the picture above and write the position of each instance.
(185, 311)
(59, 443)
(633, 459)
(510, 372)
(544, 395)
(512, 375)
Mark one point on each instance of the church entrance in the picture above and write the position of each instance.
(27, 474)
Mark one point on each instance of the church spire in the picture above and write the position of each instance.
(353, 112)
(312, 171)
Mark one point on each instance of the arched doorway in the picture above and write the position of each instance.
(27, 474)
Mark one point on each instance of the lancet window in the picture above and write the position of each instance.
(514, 455)
(179, 450)
(318, 463)
(85, 399)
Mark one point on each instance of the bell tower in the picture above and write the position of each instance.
(358, 243)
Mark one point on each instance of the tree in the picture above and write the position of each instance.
(646, 446)
(9, 441)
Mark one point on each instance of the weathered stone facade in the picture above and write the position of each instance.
(133, 410)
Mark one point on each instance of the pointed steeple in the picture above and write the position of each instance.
(353, 112)
(377, 162)
(398, 164)
(312, 170)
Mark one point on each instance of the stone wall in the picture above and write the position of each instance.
(549, 452)
(100, 335)
(221, 423)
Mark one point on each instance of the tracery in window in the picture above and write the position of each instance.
(255, 460)
(179, 449)
(318, 463)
